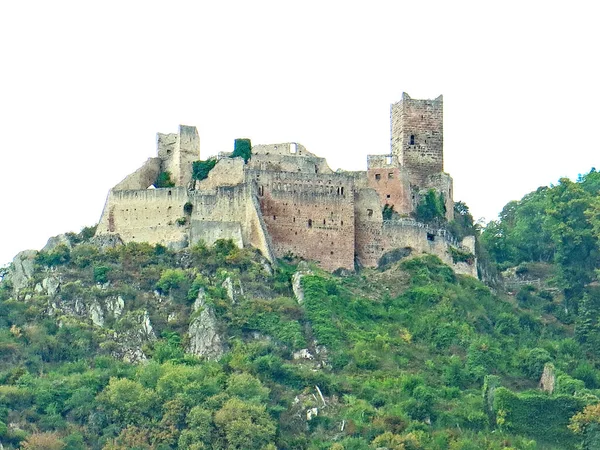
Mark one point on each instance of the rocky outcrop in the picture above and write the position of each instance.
(302, 270)
(55, 241)
(21, 269)
(131, 340)
(234, 289)
(205, 339)
(106, 241)
(548, 379)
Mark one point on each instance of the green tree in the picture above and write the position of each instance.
(245, 425)
(242, 148)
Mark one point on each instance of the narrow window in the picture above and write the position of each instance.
(169, 193)
(370, 212)
(342, 190)
(378, 176)
(274, 217)
(412, 139)
(309, 223)
(388, 159)
(324, 222)
(293, 148)
(338, 190)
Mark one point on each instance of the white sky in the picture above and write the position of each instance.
(85, 86)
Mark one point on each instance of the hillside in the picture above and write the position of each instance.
(112, 346)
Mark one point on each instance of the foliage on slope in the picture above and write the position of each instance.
(392, 359)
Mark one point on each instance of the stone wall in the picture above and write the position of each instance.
(287, 157)
(417, 136)
(375, 238)
(311, 216)
(146, 216)
(391, 183)
(142, 178)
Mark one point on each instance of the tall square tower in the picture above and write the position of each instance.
(417, 137)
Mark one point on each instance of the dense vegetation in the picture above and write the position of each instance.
(409, 356)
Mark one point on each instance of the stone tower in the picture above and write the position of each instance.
(178, 151)
(417, 134)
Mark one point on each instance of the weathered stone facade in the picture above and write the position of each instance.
(287, 201)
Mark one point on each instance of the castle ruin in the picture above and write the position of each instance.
(287, 201)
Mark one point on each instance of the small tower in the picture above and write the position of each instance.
(177, 152)
(417, 135)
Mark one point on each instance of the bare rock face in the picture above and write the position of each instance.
(132, 340)
(234, 289)
(51, 285)
(106, 241)
(21, 269)
(548, 380)
(205, 339)
(55, 241)
(303, 270)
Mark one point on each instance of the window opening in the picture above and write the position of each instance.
(388, 159)
(430, 237)
(412, 139)
(342, 190)
(309, 223)
(390, 175)
(370, 212)
(378, 176)
(293, 148)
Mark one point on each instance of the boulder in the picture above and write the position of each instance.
(21, 269)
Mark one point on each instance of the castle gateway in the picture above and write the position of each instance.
(287, 201)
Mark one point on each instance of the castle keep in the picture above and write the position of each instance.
(286, 200)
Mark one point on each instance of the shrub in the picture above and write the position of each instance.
(200, 169)
(242, 148)
(164, 180)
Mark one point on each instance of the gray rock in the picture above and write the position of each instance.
(51, 285)
(301, 271)
(96, 314)
(205, 339)
(106, 241)
(114, 306)
(21, 269)
(548, 379)
(233, 291)
(55, 241)
(132, 341)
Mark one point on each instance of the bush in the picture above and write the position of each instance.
(200, 169)
(242, 148)
(164, 180)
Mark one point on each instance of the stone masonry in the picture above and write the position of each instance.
(287, 201)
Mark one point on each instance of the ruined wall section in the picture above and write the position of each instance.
(227, 172)
(443, 184)
(287, 157)
(376, 237)
(309, 215)
(146, 216)
(230, 212)
(417, 136)
(391, 182)
(142, 178)
(177, 152)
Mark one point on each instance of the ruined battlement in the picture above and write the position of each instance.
(287, 201)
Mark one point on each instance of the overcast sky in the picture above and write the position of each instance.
(85, 86)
